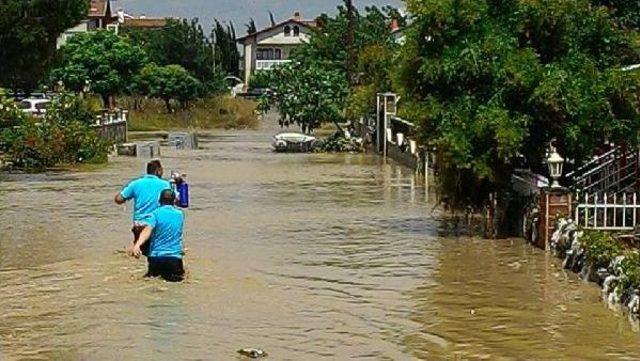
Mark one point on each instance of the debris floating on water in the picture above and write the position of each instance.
(252, 352)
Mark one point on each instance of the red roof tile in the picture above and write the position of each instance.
(145, 22)
(98, 8)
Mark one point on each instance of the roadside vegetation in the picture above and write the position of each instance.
(171, 78)
(320, 86)
(600, 257)
(491, 84)
(63, 136)
(216, 112)
(488, 84)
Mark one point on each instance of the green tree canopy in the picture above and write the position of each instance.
(313, 89)
(184, 43)
(487, 81)
(102, 60)
(167, 82)
(64, 135)
(308, 95)
(625, 12)
(28, 34)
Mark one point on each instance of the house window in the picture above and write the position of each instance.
(296, 31)
(287, 30)
(269, 54)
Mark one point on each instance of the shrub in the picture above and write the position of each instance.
(600, 248)
(338, 143)
(62, 136)
(630, 269)
(260, 80)
(216, 112)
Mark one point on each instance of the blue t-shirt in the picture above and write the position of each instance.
(166, 239)
(145, 192)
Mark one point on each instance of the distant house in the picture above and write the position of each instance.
(100, 16)
(143, 22)
(273, 45)
(398, 32)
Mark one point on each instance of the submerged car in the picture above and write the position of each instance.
(293, 142)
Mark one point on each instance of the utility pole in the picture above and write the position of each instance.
(350, 42)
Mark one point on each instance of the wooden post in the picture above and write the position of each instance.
(553, 202)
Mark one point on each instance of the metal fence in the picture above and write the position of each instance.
(608, 212)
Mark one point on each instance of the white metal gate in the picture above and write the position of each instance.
(607, 212)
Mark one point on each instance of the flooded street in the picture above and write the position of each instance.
(309, 256)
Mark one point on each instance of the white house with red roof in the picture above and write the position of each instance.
(102, 16)
(272, 46)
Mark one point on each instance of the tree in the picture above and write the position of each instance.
(168, 82)
(329, 44)
(28, 34)
(315, 88)
(626, 13)
(184, 43)
(489, 81)
(350, 61)
(63, 136)
(308, 95)
(227, 54)
(102, 60)
(251, 27)
(272, 19)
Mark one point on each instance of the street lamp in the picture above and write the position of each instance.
(555, 163)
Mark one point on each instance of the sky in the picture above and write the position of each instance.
(238, 11)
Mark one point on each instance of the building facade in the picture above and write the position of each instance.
(272, 46)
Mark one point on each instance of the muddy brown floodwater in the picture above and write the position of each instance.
(310, 256)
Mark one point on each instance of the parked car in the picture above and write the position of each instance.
(235, 85)
(34, 106)
(255, 93)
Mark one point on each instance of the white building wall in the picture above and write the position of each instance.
(83, 27)
(249, 59)
(274, 38)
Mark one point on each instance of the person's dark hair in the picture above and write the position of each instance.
(167, 197)
(153, 166)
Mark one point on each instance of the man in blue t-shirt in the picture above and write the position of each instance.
(145, 192)
(163, 231)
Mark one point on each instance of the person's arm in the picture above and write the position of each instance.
(144, 238)
(127, 193)
(119, 199)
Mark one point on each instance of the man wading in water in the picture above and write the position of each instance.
(163, 230)
(145, 193)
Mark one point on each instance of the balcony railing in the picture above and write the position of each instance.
(269, 64)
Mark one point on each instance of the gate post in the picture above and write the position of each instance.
(554, 202)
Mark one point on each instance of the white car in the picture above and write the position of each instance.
(293, 142)
(34, 106)
(235, 85)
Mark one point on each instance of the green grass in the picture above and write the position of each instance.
(221, 112)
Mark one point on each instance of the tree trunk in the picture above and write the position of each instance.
(338, 127)
(167, 103)
(105, 101)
